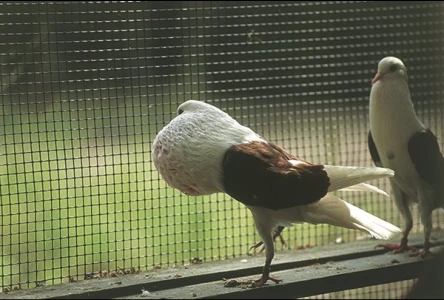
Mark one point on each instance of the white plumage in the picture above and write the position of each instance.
(188, 151)
(203, 151)
(400, 141)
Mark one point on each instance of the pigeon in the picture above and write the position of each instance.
(398, 140)
(203, 151)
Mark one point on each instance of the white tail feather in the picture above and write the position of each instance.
(334, 211)
(365, 187)
(343, 177)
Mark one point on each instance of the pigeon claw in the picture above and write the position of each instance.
(257, 245)
(397, 248)
(263, 280)
(425, 253)
(282, 240)
(421, 254)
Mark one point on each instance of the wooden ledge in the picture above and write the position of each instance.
(306, 272)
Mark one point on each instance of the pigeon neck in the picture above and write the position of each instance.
(392, 99)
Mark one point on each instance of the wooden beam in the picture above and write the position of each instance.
(304, 272)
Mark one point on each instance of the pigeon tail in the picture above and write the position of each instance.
(335, 211)
(342, 177)
(365, 187)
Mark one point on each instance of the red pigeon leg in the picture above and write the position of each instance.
(424, 253)
(403, 246)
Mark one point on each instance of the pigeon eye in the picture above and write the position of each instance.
(179, 111)
(393, 68)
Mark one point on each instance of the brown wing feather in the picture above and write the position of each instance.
(259, 174)
(373, 151)
(425, 154)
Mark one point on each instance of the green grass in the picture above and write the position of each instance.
(72, 203)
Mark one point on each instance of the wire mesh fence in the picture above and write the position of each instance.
(86, 86)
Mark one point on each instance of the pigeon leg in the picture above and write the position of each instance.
(277, 233)
(280, 237)
(403, 246)
(266, 274)
(426, 209)
(403, 207)
(264, 231)
(269, 253)
(424, 253)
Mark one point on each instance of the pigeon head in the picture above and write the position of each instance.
(194, 106)
(390, 67)
(217, 122)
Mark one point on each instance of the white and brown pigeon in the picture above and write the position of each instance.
(398, 140)
(204, 151)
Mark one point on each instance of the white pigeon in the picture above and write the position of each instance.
(204, 151)
(398, 140)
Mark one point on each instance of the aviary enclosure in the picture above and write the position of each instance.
(86, 86)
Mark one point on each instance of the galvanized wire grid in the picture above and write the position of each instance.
(85, 87)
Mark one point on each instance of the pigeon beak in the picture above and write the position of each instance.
(378, 77)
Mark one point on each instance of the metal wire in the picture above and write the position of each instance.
(86, 86)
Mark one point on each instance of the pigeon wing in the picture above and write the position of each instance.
(260, 174)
